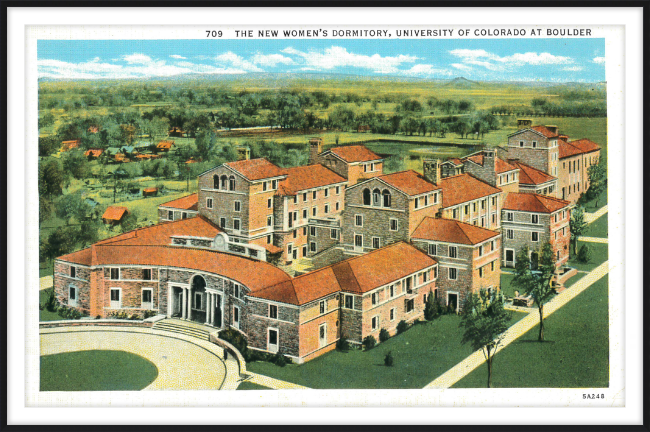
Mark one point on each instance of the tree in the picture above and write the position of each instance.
(577, 226)
(205, 140)
(48, 145)
(430, 308)
(485, 321)
(72, 206)
(537, 283)
(584, 255)
(76, 164)
(51, 178)
(597, 181)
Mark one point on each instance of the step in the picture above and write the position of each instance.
(185, 328)
(186, 333)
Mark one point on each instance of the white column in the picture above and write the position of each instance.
(170, 298)
(214, 304)
(184, 304)
(207, 307)
(189, 303)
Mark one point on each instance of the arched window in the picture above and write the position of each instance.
(366, 197)
(216, 181)
(386, 194)
(376, 197)
(224, 182)
(232, 183)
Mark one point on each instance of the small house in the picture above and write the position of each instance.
(150, 191)
(93, 153)
(69, 145)
(114, 215)
(164, 146)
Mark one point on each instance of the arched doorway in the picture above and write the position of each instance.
(198, 299)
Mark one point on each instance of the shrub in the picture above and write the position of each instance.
(255, 355)
(450, 309)
(98, 317)
(237, 340)
(280, 360)
(134, 317)
(584, 253)
(342, 344)
(431, 309)
(402, 327)
(388, 359)
(51, 305)
(369, 342)
(383, 335)
(149, 314)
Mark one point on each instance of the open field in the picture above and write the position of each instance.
(574, 355)
(598, 228)
(421, 354)
(599, 254)
(96, 371)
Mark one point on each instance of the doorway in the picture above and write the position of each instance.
(452, 300)
(510, 258)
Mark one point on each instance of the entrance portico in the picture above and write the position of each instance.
(195, 302)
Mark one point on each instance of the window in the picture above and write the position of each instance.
(509, 216)
(313, 211)
(376, 197)
(313, 195)
(304, 213)
(224, 182)
(334, 234)
(322, 335)
(409, 305)
(393, 225)
(184, 215)
(425, 277)
(510, 234)
(269, 221)
(73, 271)
(534, 218)
(304, 197)
(521, 143)
(269, 203)
(374, 298)
(232, 183)
(392, 314)
(435, 198)
(435, 272)
(235, 319)
(483, 204)
(198, 297)
(366, 197)
(312, 231)
(236, 290)
(365, 168)
(274, 184)
(323, 307)
(295, 199)
(312, 246)
(452, 273)
(453, 252)
(417, 202)
(208, 203)
(391, 290)
(480, 272)
(215, 182)
(304, 250)
(338, 205)
(480, 250)
(556, 215)
(534, 144)
(467, 209)
(295, 233)
(326, 192)
(375, 242)
(473, 207)
(327, 208)
(358, 220)
(115, 273)
(432, 249)
(454, 213)
(170, 215)
(223, 222)
(269, 239)
(494, 218)
(264, 186)
(349, 302)
(492, 266)
(386, 198)
(338, 190)
(273, 311)
(534, 236)
(146, 274)
(116, 298)
(426, 200)
(375, 322)
(236, 224)
(494, 201)
(72, 296)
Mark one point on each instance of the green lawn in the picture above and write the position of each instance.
(599, 254)
(45, 315)
(246, 385)
(421, 354)
(590, 206)
(96, 371)
(597, 228)
(574, 355)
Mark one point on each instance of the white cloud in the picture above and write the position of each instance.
(176, 56)
(462, 67)
(491, 61)
(237, 62)
(573, 68)
(425, 71)
(599, 60)
(335, 57)
(271, 60)
(136, 58)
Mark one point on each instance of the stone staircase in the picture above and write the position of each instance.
(187, 328)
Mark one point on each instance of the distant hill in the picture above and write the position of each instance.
(462, 82)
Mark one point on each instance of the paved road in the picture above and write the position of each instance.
(183, 363)
(462, 369)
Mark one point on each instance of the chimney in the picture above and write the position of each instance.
(431, 169)
(243, 153)
(564, 137)
(524, 124)
(315, 148)
(552, 128)
(489, 160)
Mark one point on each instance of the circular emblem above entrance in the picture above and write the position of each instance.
(220, 241)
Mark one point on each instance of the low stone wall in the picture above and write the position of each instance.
(100, 322)
(214, 338)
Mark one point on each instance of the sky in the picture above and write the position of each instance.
(552, 60)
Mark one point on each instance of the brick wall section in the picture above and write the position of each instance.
(310, 321)
(63, 281)
(351, 319)
(544, 157)
(223, 201)
(323, 238)
(573, 182)
(257, 316)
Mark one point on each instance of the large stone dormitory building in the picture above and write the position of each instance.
(296, 258)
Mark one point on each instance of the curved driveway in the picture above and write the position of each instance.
(183, 363)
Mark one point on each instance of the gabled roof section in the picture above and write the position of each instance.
(409, 182)
(529, 175)
(115, 213)
(573, 148)
(545, 131)
(452, 231)
(585, 145)
(307, 177)
(453, 161)
(534, 203)
(463, 188)
(83, 257)
(189, 202)
(500, 166)
(256, 169)
(354, 153)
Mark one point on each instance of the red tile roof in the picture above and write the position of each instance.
(165, 145)
(455, 161)
(256, 169)
(83, 257)
(69, 145)
(529, 175)
(115, 213)
(452, 231)
(307, 177)
(409, 182)
(94, 152)
(189, 202)
(544, 131)
(533, 203)
(500, 166)
(566, 150)
(357, 275)
(585, 145)
(463, 188)
(355, 153)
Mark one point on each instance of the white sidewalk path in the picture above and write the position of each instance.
(590, 217)
(273, 383)
(594, 239)
(45, 282)
(462, 369)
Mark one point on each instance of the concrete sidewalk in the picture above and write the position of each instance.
(273, 383)
(594, 239)
(590, 217)
(45, 282)
(462, 369)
